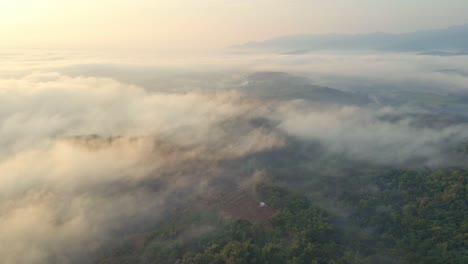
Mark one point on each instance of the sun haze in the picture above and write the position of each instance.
(193, 25)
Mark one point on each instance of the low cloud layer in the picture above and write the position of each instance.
(364, 135)
(86, 158)
(80, 154)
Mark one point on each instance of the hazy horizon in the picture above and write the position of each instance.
(200, 26)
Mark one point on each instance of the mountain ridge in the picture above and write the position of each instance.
(450, 39)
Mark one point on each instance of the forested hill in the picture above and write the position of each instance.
(449, 39)
(411, 216)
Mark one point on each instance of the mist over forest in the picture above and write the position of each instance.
(360, 158)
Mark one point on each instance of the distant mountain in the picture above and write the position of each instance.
(284, 86)
(444, 53)
(448, 41)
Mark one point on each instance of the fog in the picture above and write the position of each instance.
(93, 147)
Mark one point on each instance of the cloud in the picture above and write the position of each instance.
(365, 134)
(85, 158)
(88, 156)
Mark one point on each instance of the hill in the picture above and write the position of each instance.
(283, 86)
(452, 40)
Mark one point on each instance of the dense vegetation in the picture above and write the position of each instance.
(422, 213)
(363, 214)
(301, 233)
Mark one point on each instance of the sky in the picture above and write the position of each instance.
(203, 25)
